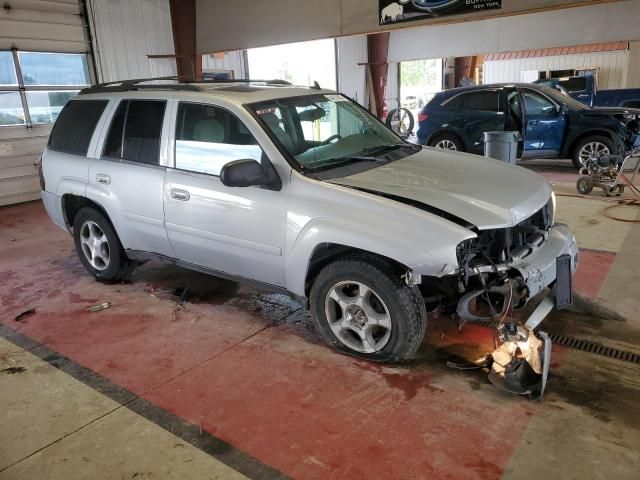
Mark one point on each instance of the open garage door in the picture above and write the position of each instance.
(44, 60)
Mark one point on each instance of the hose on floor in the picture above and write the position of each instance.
(618, 203)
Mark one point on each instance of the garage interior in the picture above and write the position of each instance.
(178, 374)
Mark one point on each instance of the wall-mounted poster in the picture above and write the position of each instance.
(394, 11)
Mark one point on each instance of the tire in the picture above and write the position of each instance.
(107, 259)
(584, 185)
(600, 143)
(401, 122)
(386, 296)
(447, 141)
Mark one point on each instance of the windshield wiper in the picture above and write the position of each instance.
(389, 147)
(346, 160)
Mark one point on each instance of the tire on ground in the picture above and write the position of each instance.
(120, 267)
(405, 304)
(447, 136)
(584, 185)
(575, 155)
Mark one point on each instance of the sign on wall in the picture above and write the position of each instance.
(395, 11)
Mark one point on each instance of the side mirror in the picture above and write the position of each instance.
(243, 173)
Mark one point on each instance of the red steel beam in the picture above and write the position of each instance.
(183, 22)
(378, 50)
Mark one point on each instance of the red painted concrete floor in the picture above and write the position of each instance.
(247, 367)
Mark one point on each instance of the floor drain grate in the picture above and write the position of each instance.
(595, 348)
(583, 346)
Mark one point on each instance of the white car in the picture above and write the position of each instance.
(298, 190)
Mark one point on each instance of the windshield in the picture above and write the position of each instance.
(563, 99)
(323, 132)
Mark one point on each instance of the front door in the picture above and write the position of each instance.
(237, 231)
(544, 124)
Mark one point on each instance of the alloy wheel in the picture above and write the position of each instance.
(358, 317)
(592, 150)
(95, 245)
(446, 145)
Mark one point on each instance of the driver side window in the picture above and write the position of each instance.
(209, 137)
(537, 105)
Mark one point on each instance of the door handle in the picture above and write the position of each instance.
(533, 122)
(178, 194)
(103, 178)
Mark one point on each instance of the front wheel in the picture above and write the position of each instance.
(362, 306)
(593, 146)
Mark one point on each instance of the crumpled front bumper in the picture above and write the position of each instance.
(538, 269)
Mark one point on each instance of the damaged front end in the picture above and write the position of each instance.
(501, 270)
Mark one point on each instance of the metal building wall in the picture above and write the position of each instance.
(125, 32)
(45, 26)
(613, 72)
(352, 54)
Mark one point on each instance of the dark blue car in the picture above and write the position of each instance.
(553, 125)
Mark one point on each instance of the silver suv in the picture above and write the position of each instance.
(299, 190)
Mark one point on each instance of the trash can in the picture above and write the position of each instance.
(501, 146)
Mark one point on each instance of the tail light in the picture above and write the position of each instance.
(423, 117)
(40, 174)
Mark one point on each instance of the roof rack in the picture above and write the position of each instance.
(184, 83)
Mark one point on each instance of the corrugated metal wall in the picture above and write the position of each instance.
(235, 61)
(614, 67)
(125, 32)
(54, 26)
(352, 51)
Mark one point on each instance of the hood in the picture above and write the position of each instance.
(485, 192)
(613, 111)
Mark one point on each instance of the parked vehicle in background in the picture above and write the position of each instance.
(553, 125)
(299, 190)
(585, 90)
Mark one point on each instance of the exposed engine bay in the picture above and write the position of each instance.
(501, 270)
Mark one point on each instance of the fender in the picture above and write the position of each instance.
(431, 255)
(570, 141)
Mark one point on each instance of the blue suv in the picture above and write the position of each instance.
(553, 125)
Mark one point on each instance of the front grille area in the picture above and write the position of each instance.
(500, 245)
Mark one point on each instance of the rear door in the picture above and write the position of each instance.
(544, 124)
(127, 175)
(477, 112)
(237, 231)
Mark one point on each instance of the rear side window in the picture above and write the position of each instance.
(135, 131)
(74, 128)
(574, 84)
(486, 101)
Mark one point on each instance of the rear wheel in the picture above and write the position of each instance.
(99, 248)
(361, 305)
(447, 141)
(593, 146)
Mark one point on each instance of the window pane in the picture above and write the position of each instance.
(74, 128)
(44, 107)
(7, 70)
(11, 112)
(207, 138)
(54, 68)
(482, 101)
(142, 121)
(537, 105)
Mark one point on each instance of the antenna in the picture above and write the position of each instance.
(316, 85)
